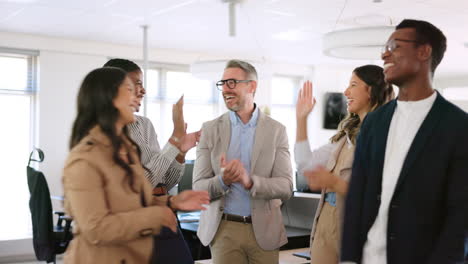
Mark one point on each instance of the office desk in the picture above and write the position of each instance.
(285, 257)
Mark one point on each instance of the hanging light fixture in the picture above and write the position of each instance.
(232, 15)
(356, 43)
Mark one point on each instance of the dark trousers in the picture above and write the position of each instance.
(170, 247)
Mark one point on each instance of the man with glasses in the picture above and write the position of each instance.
(408, 197)
(243, 162)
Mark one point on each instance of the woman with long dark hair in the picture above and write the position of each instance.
(163, 167)
(105, 189)
(329, 168)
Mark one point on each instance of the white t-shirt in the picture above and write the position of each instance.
(406, 121)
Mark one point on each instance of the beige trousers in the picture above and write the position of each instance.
(235, 242)
(325, 248)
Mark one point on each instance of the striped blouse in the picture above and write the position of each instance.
(161, 166)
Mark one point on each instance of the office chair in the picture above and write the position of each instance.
(48, 240)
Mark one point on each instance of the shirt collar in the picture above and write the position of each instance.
(235, 119)
(417, 105)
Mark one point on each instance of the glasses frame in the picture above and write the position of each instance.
(390, 46)
(221, 83)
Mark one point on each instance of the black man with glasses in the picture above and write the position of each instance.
(408, 197)
(243, 162)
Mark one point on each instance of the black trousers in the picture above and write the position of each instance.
(170, 247)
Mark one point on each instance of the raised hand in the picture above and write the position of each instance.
(189, 141)
(190, 200)
(178, 119)
(305, 101)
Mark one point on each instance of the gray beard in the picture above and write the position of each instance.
(234, 108)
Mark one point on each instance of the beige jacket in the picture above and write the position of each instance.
(110, 223)
(270, 171)
(345, 174)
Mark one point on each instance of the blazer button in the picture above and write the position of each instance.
(392, 236)
(221, 209)
(379, 197)
(394, 206)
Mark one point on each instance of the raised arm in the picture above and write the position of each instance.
(161, 166)
(304, 157)
(304, 106)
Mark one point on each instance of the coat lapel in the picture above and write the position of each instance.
(423, 134)
(382, 128)
(259, 138)
(224, 132)
(335, 154)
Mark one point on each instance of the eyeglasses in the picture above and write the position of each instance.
(230, 83)
(392, 45)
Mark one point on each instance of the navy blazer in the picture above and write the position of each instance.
(427, 217)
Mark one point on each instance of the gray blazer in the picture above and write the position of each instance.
(271, 174)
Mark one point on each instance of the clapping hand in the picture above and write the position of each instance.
(190, 200)
(320, 178)
(234, 171)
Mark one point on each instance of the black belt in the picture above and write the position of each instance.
(237, 218)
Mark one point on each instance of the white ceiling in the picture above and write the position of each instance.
(280, 30)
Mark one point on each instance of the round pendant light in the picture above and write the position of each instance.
(356, 43)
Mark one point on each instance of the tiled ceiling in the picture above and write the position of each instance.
(281, 30)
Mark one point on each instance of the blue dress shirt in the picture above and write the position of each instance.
(237, 201)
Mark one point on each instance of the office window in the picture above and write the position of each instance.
(165, 85)
(284, 91)
(17, 112)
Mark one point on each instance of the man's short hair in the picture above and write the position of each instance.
(426, 33)
(245, 66)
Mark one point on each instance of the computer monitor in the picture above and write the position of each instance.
(186, 180)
